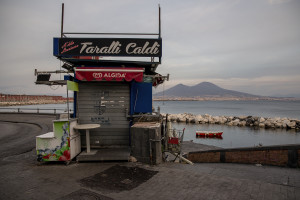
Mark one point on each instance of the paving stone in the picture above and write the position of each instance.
(22, 178)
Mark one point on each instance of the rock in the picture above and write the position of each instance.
(180, 118)
(230, 123)
(291, 124)
(285, 122)
(297, 125)
(242, 123)
(198, 119)
(235, 122)
(207, 115)
(277, 119)
(261, 120)
(275, 122)
(230, 118)
(192, 120)
(216, 119)
(211, 120)
(223, 120)
(172, 117)
(278, 125)
(242, 118)
(249, 121)
(268, 124)
(205, 120)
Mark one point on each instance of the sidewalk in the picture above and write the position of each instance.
(22, 178)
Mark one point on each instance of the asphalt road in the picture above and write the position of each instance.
(17, 132)
(21, 177)
(19, 141)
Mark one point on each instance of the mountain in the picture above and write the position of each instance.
(204, 89)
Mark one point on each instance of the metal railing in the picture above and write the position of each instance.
(34, 110)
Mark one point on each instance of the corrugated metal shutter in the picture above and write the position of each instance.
(106, 104)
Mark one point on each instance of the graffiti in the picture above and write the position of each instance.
(100, 106)
(101, 120)
(101, 94)
(54, 152)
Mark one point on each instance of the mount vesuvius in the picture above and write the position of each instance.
(202, 90)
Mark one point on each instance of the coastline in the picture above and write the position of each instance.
(252, 121)
(226, 99)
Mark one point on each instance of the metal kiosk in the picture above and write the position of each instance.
(111, 92)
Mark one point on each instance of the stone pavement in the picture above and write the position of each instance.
(217, 181)
(22, 178)
(173, 181)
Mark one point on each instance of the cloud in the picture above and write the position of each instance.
(278, 1)
(245, 45)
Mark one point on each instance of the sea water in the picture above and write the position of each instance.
(266, 108)
(234, 136)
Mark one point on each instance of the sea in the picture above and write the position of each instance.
(260, 108)
(233, 136)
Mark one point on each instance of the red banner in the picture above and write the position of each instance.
(109, 74)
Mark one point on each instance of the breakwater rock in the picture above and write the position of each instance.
(261, 122)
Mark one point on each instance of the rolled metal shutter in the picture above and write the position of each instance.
(106, 104)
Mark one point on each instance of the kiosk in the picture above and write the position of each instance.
(115, 77)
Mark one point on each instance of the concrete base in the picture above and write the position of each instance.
(113, 154)
(146, 142)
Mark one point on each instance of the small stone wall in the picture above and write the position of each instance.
(285, 156)
(261, 122)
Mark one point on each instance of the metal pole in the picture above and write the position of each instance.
(159, 22)
(82, 33)
(68, 102)
(62, 21)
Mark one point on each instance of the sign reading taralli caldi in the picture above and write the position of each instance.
(110, 47)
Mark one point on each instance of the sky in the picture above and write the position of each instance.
(250, 46)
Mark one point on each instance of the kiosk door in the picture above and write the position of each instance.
(106, 104)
